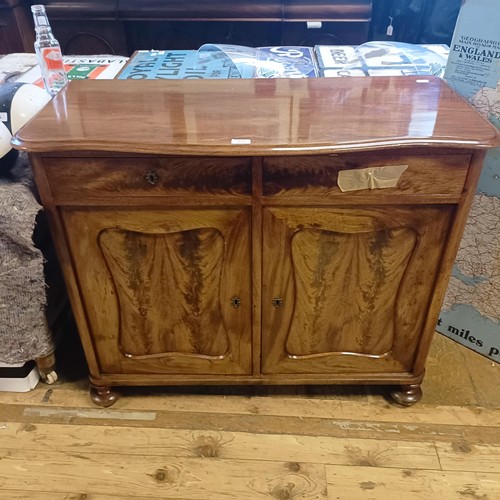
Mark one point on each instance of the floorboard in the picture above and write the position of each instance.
(221, 443)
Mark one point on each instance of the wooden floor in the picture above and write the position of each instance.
(259, 443)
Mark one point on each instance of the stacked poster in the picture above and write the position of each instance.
(12, 66)
(265, 62)
(381, 59)
(471, 311)
(221, 62)
(175, 65)
(80, 68)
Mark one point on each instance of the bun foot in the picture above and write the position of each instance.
(407, 395)
(103, 395)
(47, 368)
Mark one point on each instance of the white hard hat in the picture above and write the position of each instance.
(5, 137)
(19, 102)
(26, 103)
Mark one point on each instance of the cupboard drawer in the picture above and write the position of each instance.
(76, 179)
(313, 176)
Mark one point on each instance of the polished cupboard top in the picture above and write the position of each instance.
(255, 117)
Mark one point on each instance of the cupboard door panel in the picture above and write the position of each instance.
(152, 272)
(158, 293)
(355, 286)
(368, 268)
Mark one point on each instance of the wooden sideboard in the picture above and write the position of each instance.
(204, 238)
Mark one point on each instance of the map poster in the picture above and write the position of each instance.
(471, 310)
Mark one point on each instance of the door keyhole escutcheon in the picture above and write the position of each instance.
(277, 302)
(151, 177)
(235, 301)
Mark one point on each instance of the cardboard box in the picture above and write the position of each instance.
(471, 311)
(19, 377)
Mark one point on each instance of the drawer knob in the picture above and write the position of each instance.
(235, 301)
(277, 302)
(151, 177)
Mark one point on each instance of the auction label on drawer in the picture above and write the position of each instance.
(370, 178)
(241, 141)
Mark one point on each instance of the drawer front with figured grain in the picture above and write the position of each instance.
(318, 176)
(78, 179)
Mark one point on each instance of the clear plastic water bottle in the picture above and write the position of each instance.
(48, 52)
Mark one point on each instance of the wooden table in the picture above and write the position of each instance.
(204, 238)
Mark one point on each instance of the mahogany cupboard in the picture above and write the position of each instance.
(257, 231)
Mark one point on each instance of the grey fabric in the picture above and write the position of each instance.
(24, 334)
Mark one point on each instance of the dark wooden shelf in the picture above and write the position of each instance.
(123, 26)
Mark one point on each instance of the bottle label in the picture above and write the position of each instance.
(53, 59)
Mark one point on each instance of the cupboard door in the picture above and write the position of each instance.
(347, 290)
(165, 291)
